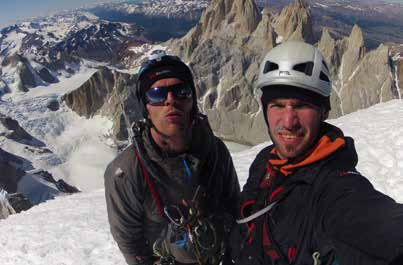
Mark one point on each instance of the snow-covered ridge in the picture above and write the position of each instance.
(28, 38)
(166, 8)
(357, 5)
(46, 30)
(40, 51)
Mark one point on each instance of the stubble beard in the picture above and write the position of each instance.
(173, 142)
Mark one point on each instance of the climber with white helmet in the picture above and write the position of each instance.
(304, 201)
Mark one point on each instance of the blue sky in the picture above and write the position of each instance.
(13, 10)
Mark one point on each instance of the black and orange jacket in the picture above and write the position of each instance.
(323, 207)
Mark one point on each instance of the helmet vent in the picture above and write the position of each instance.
(269, 66)
(324, 77)
(305, 68)
(324, 64)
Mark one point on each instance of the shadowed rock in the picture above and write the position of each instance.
(103, 94)
(17, 133)
(12, 168)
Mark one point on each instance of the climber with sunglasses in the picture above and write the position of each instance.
(171, 191)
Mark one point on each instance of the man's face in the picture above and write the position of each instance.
(293, 126)
(171, 117)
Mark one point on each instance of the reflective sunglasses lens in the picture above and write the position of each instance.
(182, 91)
(156, 95)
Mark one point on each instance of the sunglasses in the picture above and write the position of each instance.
(157, 95)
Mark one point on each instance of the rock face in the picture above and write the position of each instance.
(360, 78)
(89, 97)
(294, 22)
(3, 87)
(224, 51)
(103, 94)
(19, 202)
(359, 91)
(15, 132)
(11, 170)
(5, 207)
(27, 76)
(400, 75)
(397, 59)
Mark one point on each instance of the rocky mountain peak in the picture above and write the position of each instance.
(356, 38)
(104, 93)
(354, 53)
(294, 22)
(213, 16)
(264, 37)
(223, 17)
(327, 46)
(245, 14)
(326, 40)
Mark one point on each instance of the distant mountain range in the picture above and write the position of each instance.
(40, 51)
(162, 19)
(380, 21)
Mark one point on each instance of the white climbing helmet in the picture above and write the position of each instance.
(297, 64)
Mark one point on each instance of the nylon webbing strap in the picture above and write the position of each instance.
(257, 214)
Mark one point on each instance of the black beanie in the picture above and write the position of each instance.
(167, 66)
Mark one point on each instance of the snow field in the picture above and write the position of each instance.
(66, 231)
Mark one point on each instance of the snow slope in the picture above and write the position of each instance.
(69, 231)
(74, 230)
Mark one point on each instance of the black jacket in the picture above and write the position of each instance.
(325, 207)
(134, 217)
